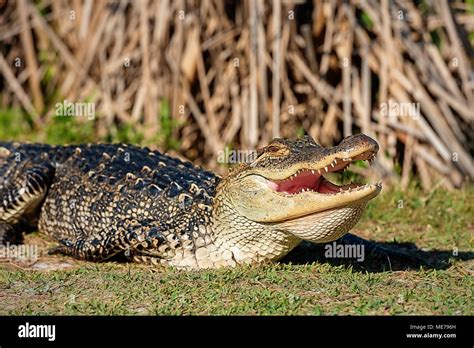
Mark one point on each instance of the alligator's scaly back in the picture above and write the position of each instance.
(102, 200)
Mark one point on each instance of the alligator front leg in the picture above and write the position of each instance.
(139, 241)
(87, 248)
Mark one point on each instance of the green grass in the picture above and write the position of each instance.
(429, 226)
(16, 125)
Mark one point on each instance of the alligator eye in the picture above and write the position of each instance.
(273, 148)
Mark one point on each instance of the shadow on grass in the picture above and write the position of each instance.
(378, 256)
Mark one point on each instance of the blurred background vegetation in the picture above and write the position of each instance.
(192, 77)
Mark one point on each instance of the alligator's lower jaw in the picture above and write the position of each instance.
(325, 226)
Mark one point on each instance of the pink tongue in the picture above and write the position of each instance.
(327, 187)
(300, 182)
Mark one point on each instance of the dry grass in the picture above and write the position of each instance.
(239, 73)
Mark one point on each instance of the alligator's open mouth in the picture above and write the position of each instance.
(313, 180)
(289, 181)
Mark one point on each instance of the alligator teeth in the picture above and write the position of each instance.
(326, 169)
(312, 172)
(332, 165)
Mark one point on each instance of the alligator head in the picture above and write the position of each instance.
(283, 197)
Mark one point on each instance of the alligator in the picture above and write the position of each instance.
(98, 201)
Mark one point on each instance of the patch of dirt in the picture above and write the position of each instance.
(33, 254)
